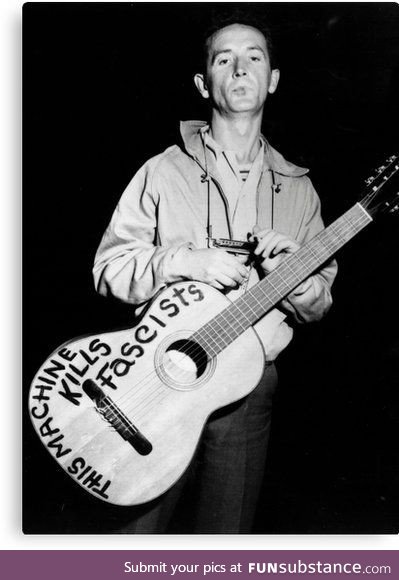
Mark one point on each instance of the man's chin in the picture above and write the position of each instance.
(245, 107)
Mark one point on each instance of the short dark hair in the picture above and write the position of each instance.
(221, 18)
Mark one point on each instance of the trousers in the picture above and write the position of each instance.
(219, 491)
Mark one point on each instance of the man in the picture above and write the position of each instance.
(223, 181)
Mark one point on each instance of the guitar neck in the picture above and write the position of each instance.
(219, 332)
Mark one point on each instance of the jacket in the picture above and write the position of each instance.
(163, 213)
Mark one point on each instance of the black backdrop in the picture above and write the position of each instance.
(104, 88)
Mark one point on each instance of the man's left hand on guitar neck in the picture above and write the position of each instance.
(272, 247)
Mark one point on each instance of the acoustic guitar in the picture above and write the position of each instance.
(122, 412)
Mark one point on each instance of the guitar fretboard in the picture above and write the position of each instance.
(224, 328)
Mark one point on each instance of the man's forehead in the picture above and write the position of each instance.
(236, 34)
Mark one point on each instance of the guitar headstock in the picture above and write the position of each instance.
(382, 188)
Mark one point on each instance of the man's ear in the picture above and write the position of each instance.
(275, 77)
(200, 83)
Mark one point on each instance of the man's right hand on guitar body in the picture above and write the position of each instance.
(215, 267)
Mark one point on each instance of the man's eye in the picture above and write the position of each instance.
(255, 58)
(223, 61)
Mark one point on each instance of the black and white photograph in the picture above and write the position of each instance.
(210, 260)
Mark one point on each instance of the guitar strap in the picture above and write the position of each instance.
(206, 177)
(265, 209)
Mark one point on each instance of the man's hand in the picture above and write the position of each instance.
(216, 268)
(272, 247)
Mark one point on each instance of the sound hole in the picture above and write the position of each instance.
(183, 364)
(185, 361)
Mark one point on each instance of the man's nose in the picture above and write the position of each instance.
(239, 68)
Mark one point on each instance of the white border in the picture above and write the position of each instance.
(11, 537)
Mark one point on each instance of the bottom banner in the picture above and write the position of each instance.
(196, 564)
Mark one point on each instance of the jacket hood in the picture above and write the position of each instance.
(191, 132)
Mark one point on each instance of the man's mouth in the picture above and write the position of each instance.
(240, 91)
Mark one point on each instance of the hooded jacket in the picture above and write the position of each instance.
(163, 214)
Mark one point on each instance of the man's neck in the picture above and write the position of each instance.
(239, 134)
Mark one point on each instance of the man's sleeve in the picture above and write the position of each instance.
(128, 265)
(312, 299)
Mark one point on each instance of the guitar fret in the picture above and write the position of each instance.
(266, 297)
(216, 337)
(257, 307)
(283, 281)
(252, 315)
(239, 325)
(273, 286)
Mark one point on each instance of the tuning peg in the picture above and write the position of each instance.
(395, 207)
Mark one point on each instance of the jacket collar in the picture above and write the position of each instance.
(191, 132)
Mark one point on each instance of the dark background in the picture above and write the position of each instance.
(104, 88)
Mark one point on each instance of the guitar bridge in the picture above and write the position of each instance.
(110, 411)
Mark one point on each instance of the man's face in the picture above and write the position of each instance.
(238, 76)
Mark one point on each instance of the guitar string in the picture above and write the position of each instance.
(193, 355)
(149, 404)
(248, 304)
(213, 324)
(372, 194)
(146, 403)
(215, 321)
(147, 400)
(157, 397)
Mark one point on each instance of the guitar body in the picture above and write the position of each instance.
(122, 412)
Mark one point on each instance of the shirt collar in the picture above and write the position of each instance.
(191, 132)
(217, 150)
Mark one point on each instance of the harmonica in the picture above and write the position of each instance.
(232, 246)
